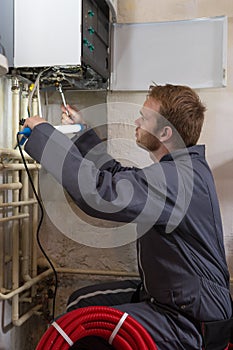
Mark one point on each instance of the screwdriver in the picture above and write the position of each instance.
(63, 98)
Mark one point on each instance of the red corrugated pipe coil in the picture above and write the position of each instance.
(117, 327)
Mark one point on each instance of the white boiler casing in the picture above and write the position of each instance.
(41, 33)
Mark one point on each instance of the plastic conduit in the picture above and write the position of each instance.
(98, 321)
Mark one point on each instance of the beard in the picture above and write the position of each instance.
(147, 140)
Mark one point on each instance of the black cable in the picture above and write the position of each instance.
(39, 225)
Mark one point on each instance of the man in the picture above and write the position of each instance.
(181, 257)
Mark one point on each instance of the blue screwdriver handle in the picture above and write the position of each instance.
(26, 132)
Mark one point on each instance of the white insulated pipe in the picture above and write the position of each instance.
(2, 241)
(27, 315)
(24, 102)
(27, 243)
(17, 204)
(96, 272)
(20, 166)
(11, 186)
(35, 179)
(14, 217)
(19, 209)
(34, 110)
(48, 272)
(26, 285)
(15, 250)
(13, 153)
(35, 219)
(15, 88)
(25, 238)
(15, 196)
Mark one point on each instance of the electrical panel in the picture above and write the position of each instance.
(71, 34)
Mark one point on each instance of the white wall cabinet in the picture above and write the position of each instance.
(189, 52)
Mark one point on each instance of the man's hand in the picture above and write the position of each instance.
(33, 121)
(74, 116)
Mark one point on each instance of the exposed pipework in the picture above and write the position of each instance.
(18, 250)
(19, 217)
(21, 230)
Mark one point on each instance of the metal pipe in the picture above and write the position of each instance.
(16, 185)
(25, 238)
(13, 153)
(15, 108)
(30, 166)
(26, 316)
(13, 184)
(34, 106)
(14, 217)
(18, 204)
(4, 290)
(24, 102)
(48, 272)
(26, 285)
(35, 179)
(25, 300)
(96, 272)
(43, 263)
(15, 249)
(2, 240)
(26, 296)
(6, 112)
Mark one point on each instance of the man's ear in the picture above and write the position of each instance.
(165, 134)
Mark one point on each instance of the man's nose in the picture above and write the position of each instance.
(137, 122)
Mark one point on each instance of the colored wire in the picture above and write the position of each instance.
(100, 321)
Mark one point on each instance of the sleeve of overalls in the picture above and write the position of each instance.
(111, 192)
